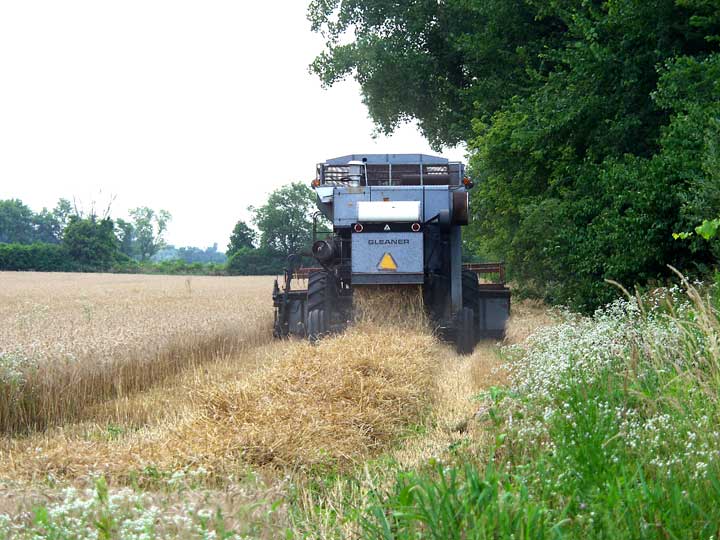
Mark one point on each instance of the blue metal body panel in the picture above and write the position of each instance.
(397, 193)
(436, 198)
(495, 311)
(430, 180)
(343, 209)
(345, 204)
(456, 269)
(406, 249)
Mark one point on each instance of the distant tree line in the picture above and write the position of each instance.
(60, 239)
(19, 224)
(191, 254)
(66, 239)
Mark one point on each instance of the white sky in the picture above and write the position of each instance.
(200, 108)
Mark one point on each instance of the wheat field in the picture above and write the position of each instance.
(145, 380)
(68, 341)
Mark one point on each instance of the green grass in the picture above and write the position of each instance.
(609, 430)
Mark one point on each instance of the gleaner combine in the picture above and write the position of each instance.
(397, 221)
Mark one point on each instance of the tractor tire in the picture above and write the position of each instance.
(471, 298)
(470, 289)
(465, 331)
(319, 305)
(316, 324)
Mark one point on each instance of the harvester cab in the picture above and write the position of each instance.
(396, 220)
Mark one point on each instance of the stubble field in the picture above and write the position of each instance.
(161, 407)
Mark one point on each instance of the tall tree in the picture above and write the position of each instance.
(242, 237)
(49, 225)
(592, 125)
(125, 232)
(16, 222)
(63, 211)
(285, 221)
(149, 227)
(91, 242)
(441, 63)
(586, 178)
(46, 227)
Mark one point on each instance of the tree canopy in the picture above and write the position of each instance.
(125, 232)
(91, 242)
(285, 224)
(441, 63)
(148, 229)
(285, 220)
(592, 126)
(19, 224)
(16, 222)
(242, 237)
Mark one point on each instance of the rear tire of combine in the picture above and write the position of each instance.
(470, 289)
(318, 295)
(319, 305)
(471, 298)
(465, 331)
(316, 324)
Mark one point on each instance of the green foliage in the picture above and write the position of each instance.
(285, 224)
(594, 127)
(284, 221)
(168, 267)
(36, 257)
(47, 228)
(442, 63)
(190, 254)
(62, 212)
(253, 262)
(607, 432)
(16, 222)
(88, 244)
(49, 225)
(107, 512)
(210, 254)
(91, 243)
(19, 224)
(149, 227)
(458, 503)
(66, 242)
(708, 229)
(587, 178)
(125, 233)
(242, 237)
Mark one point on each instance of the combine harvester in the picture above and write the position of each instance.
(397, 221)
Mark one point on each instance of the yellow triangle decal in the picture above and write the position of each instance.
(387, 263)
